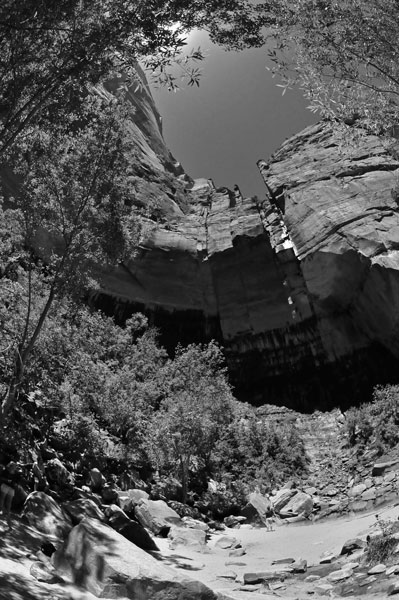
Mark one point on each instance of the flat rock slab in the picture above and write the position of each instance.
(157, 516)
(377, 570)
(103, 562)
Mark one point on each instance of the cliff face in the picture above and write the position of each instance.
(301, 288)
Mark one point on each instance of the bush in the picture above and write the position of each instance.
(381, 548)
(257, 453)
(375, 423)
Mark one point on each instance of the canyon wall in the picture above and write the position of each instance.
(301, 287)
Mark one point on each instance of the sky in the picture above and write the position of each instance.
(237, 116)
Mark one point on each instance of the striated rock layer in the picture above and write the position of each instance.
(301, 288)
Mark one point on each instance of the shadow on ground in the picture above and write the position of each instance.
(17, 587)
(19, 543)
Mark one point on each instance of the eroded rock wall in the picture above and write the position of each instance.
(301, 288)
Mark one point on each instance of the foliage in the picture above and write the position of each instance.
(381, 548)
(73, 208)
(48, 47)
(345, 56)
(195, 407)
(376, 423)
(254, 451)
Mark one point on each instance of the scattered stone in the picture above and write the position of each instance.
(43, 572)
(237, 552)
(351, 565)
(357, 490)
(283, 561)
(157, 516)
(185, 536)
(312, 578)
(394, 570)
(227, 575)
(327, 557)
(324, 589)
(367, 581)
(43, 513)
(233, 521)
(81, 508)
(106, 564)
(254, 578)
(380, 467)
(377, 569)
(195, 524)
(393, 589)
(225, 542)
(340, 575)
(369, 494)
(235, 563)
(352, 545)
(299, 566)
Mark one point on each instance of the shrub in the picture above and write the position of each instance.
(381, 548)
(376, 422)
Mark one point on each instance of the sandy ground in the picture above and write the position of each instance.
(18, 547)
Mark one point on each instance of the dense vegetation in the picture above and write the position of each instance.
(375, 424)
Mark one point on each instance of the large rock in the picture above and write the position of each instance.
(81, 508)
(129, 498)
(157, 516)
(57, 473)
(195, 539)
(131, 530)
(299, 504)
(282, 498)
(43, 513)
(257, 508)
(103, 562)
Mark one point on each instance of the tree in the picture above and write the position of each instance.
(48, 46)
(74, 213)
(196, 405)
(345, 56)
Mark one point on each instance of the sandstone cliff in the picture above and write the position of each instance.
(301, 287)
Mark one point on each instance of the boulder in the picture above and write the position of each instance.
(97, 480)
(43, 572)
(351, 545)
(157, 516)
(300, 504)
(377, 569)
(195, 524)
(43, 513)
(57, 473)
(106, 564)
(225, 542)
(109, 494)
(282, 498)
(299, 566)
(257, 508)
(81, 508)
(232, 521)
(131, 530)
(130, 498)
(185, 536)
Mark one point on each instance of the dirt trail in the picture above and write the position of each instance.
(308, 541)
